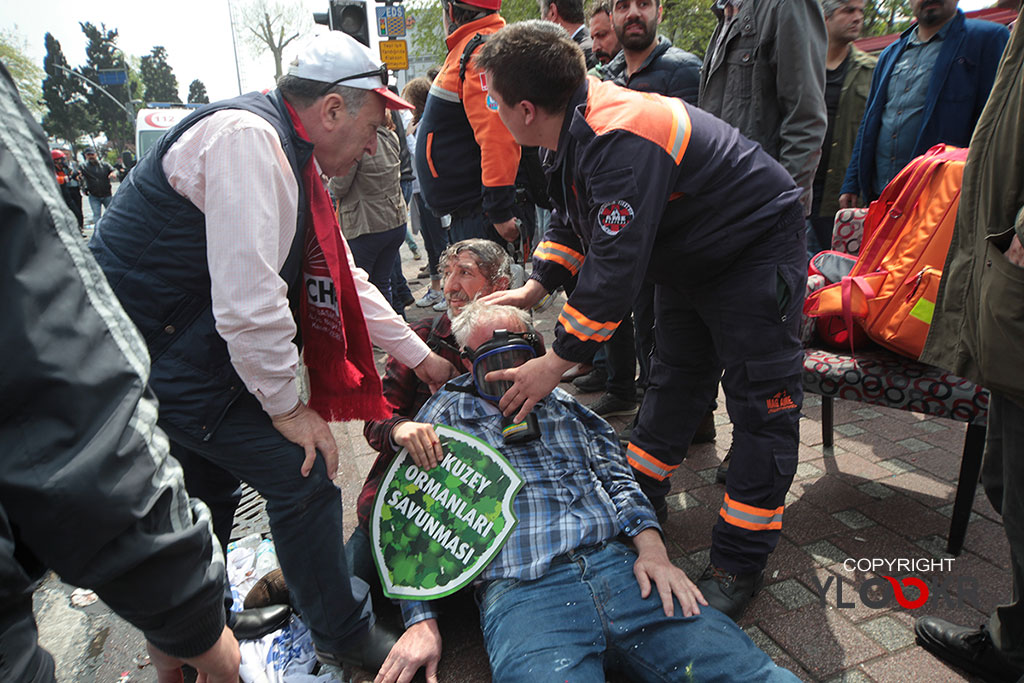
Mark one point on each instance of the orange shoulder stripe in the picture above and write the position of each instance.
(662, 120)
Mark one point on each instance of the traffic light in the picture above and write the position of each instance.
(348, 16)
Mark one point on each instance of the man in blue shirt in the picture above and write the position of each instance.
(929, 87)
(564, 598)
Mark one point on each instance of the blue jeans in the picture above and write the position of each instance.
(304, 512)
(97, 204)
(586, 614)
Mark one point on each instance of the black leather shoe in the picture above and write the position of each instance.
(368, 653)
(971, 649)
(729, 593)
(270, 590)
(722, 473)
(250, 624)
(595, 380)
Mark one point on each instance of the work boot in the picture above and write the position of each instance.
(368, 653)
(706, 429)
(252, 624)
(727, 592)
(610, 405)
(971, 649)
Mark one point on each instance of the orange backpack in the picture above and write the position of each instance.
(891, 290)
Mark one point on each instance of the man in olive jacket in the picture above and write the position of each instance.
(978, 332)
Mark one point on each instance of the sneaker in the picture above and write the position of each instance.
(595, 380)
(727, 592)
(971, 649)
(416, 255)
(609, 405)
(441, 305)
(430, 298)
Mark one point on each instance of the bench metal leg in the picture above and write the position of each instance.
(827, 419)
(970, 472)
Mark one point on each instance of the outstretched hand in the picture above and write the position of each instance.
(435, 371)
(419, 646)
(531, 382)
(653, 567)
(521, 297)
(219, 664)
(420, 439)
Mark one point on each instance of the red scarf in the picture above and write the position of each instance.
(343, 380)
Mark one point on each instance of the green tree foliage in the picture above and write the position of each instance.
(270, 25)
(67, 116)
(886, 16)
(197, 93)
(26, 74)
(688, 24)
(158, 77)
(102, 53)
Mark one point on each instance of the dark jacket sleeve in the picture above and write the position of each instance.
(800, 46)
(684, 82)
(87, 486)
(618, 254)
(559, 256)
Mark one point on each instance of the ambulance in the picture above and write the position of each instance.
(154, 121)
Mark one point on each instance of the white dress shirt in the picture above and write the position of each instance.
(232, 167)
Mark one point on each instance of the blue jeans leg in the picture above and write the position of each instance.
(586, 613)
(305, 519)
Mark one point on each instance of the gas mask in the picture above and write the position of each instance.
(505, 350)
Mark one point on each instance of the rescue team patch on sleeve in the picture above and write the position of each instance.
(614, 217)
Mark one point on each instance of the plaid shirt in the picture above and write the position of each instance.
(405, 394)
(578, 489)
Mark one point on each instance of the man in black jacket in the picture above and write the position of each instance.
(569, 15)
(649, 63)
(97, 175)
(87, 487)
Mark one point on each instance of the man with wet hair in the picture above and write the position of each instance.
(717, 225)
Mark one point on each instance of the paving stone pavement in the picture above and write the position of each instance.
(884, 490)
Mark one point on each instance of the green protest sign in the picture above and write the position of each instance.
(432, 531)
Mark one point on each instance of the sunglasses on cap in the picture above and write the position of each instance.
(381, 73)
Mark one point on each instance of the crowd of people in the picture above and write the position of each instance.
(679, 201)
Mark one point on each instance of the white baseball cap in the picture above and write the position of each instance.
(338, 59)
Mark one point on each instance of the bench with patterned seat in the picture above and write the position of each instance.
(883, 378)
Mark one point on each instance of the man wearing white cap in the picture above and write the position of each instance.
(224, 251)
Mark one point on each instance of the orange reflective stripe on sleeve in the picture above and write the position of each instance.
(568, 258)
(679, 140)
(750, 517)
(644, 462)
(583, 328)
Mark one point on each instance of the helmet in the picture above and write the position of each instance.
(482, 4)
(57, 154)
